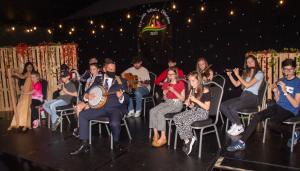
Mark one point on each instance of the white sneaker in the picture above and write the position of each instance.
(137, 114)
(238, 130)
(229, 131)
(130, 113)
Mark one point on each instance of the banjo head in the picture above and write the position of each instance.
(100, 97)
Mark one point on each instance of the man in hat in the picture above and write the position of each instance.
(67, 92)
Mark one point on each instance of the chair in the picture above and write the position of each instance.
(248, 112)
(151, 95)
(221, 81)
(45, 95)
(169, 116)
(105, 121)
(294, 121)
(216, 98)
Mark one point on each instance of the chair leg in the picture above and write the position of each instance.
(127, 129)
(100, 129)
(169, 132)
(249, 118)
(111, 141)
(217, 135)
(153, 101)
(175, 140)
(144, 108)
(221, 116)
(61, 121)
(150, 133)
(40, 121)
(292, 144)
(90, 132)
(107, 129)
(265, 130)
(243, 121)
(195, 135)
(49, 120)
(227, 123)
(68, 119)
(200, 143)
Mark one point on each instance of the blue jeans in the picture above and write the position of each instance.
(50, 107)
(139, 93)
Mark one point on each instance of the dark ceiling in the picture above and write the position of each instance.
(43, 12)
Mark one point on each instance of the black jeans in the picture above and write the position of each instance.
(277, 115)
(34, 110)
(230, 107)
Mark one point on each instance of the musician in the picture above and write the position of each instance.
(95, 79)
(199, 104)
(143, 89)
(114, 109)
(287, 96)
(87, 73)
(174, 95)
(202, 68)
(250, 81)
(67, 92)
(163, 76)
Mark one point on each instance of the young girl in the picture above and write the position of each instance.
(37, 98)
(202, 68)
(95, 79)
(174, 95)
(199, 104)
(250, 82)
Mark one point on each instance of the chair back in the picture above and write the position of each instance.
(262, 94)
(219, 79)
(152, 83)
(216, 97)
(44, 88)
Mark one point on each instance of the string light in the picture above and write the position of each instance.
(49, 31)
(34, 28)
(93, 32)
(91, 22)
(189, 20)
(72, 29)
(121, 29)
(70, 33)
(174, 6)
(102, 26)
(60, 26)
(157, 17)
(12, 28)
(30, 30)
(281, 2)
(128, 16)
(27, 30)
(202, 8)
(231, 12)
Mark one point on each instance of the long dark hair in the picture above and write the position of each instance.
(247, 70)
(25, 67)
(199, 90)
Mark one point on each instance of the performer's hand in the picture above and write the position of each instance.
(171, 89)
(192, 98)
(161, 84)
(90, 96)
(229, 73)
(236, 71)
(274, 87)
(283, 87)
(119, 94)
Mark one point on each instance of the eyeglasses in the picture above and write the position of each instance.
(288, 69)
(171, 74)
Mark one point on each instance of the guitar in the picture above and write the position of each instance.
(133, 81)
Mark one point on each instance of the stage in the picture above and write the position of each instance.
(41, 149)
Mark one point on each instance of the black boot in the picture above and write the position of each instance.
(84, 148)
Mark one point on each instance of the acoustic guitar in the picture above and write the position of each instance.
(133, 81)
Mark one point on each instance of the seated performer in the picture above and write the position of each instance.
(202, 68)
(174, 95)
(143, 88)
(87, 73)
(287, 95)
(114, 109)
(37, 98)
(199, 104)
(95, 79)
(67, 92)
(163, 76)
(250, 81)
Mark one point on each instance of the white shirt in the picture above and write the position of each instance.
(142, 74)
(109, 82)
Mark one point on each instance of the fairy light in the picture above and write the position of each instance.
(102, 26)
(60, 26)
(91, 22)
(231, 12)
(93, 32)
(72, 29)
(34, 28)
(202, 8)
(281, 2)
(30, 30)
(189, 20)
(49, 31)
(12, 28)
(174, 6)
(27, 30)
(128, 16)
(157, 17)
(70, 33)
(121, 29)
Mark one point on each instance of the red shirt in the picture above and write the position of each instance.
(37, 91)
(178, 87)
(164, 75)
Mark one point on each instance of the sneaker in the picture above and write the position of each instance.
(229, 131)
(35, 124)
(76, 132)
(189, 146)
(296, 138)
(55, 124)
(237, 130)
(137, 114)
(237, 145)
(130, 114)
